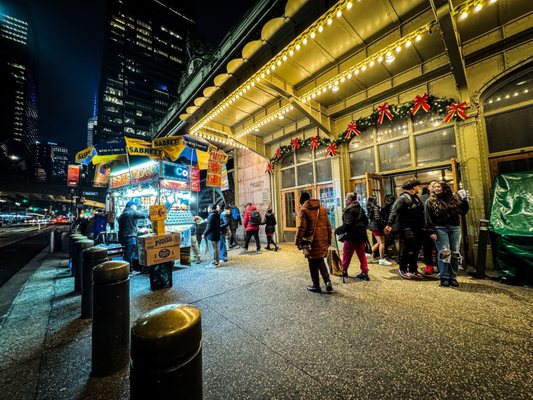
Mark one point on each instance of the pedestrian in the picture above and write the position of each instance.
(428, 246)
(234, 223)
(224, 232)
(353, 231)
(251, 222)
(270, 228)
(212, 233)
(410, 213)
(443, 211)
(195, 248)
(376, 225)
(127, 231)
(314, 237)
(392, 240)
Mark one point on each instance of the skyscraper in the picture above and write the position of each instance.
(18, 80)
(91, 124)
(144, 57)
(51, 162)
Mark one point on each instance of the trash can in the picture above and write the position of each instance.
(111, 317)
(166, 354)
(92, 257)
(161, 275)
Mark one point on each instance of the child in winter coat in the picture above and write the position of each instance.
(270, 228)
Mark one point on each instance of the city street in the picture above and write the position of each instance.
(266, 337)
(13, 234)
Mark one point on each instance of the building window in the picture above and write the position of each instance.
(394, 155)
(392, 129)
(323, 170)
(510, 130)
(426, 120)
(305, 174)
(362, 161)
(435, 146)
(288, 178)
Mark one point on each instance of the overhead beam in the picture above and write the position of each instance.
(450, 36)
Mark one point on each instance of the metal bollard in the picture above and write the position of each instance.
(73, 241)
(73, 237)
(111, 317)
(92, 257)
(79, 246)
(166, 354)
(58, 240)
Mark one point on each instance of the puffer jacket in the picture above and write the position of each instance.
(246, 221)
(308, 220)
(375, 223)
(354, 223)
(212, 230)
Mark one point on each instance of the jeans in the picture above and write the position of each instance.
(233, 237)
(411, 240)
(195, 249)
(130, 248)
(247, 238)
(316, 265)
(447, 243)
(223, 250)
(213, 248)
(347, 252)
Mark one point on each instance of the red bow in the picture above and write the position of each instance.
(456, 108)
(270, 168)
(384, 110)
(351, 128)
(314, 142)
(332, 150)
(295, 144)
(278, 152)
(421, 102)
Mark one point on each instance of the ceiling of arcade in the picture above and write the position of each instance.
(353, 50)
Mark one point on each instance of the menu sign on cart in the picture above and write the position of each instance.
(135, 176)
(195, 179)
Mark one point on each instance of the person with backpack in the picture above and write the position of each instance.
(224, 231)
(376, 225)
(235, 221)
(252, 220)
(428, 246)
(270, 228)
(353, 231)
(212, 233)
(409, 210)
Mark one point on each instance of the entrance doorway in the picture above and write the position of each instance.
(370, 185)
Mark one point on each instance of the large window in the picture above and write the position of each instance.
(362, 161)
(391, 129)
(304, 168)
(394, 155)
(435, 146)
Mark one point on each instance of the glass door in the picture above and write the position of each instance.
(326, 195)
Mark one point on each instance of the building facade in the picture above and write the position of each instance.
(144, 57)
(340, 106)
(18, 97)
(51, 162)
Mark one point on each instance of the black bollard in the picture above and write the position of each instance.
(77, 260)
(111, 317)
(92, 257)
(166, 354)
(58, 240)
(73, 238)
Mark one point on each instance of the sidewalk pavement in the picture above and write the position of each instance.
(266, 337)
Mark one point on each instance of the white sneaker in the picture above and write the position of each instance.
(382, 261)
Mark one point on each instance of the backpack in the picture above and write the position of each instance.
(255, 218)
(235, 214)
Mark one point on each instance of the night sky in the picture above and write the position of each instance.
(70, 39)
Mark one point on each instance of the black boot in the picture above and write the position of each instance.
(314, 288)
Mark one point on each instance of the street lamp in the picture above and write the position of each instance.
(14, 157)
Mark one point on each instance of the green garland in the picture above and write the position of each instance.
(436, 106)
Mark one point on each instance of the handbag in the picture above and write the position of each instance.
(306, 241)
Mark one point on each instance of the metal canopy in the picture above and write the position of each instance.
(359, 33)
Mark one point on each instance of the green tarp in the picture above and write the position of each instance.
(511, 225)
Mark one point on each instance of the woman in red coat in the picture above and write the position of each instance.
(314, 223)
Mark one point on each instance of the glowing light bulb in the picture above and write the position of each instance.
(278, 62)
(418, 38)
(313, 34)
(464, 15)
(320, 28)
(380, 59)
(291, 53)
(356, 72)
(284, 58)
(330, 21)
(349, 5)
(335, 89)
(297, 47)
(324, 89)
(408, 43)
(398, 49)
(363, 68)
(339, 14)
(478, 7)
(371, 63)
(304, 41)
(349, 76)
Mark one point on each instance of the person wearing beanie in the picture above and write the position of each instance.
(409, 211)
(270, 228)
(127, 231)
(212, 233)
(313, 237)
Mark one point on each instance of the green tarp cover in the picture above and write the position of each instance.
(511, 222)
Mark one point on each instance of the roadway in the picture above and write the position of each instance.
(18, 245)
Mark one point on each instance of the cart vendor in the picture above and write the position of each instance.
(127, 230)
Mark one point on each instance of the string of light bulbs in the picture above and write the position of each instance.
(216, 139)
(277, 115)
(471, 5)
(296, 45)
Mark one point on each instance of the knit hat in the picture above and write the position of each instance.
(129, 204)
(304, 197)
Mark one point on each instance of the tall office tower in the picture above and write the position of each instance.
(144, 56)
(51, 162)
(91, 124)
(18, 80)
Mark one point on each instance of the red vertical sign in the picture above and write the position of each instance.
(195, 179)
(73, 175)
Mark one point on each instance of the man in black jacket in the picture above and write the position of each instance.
(353, 230)
(212, 233)
(127, 230)
(409, 210)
